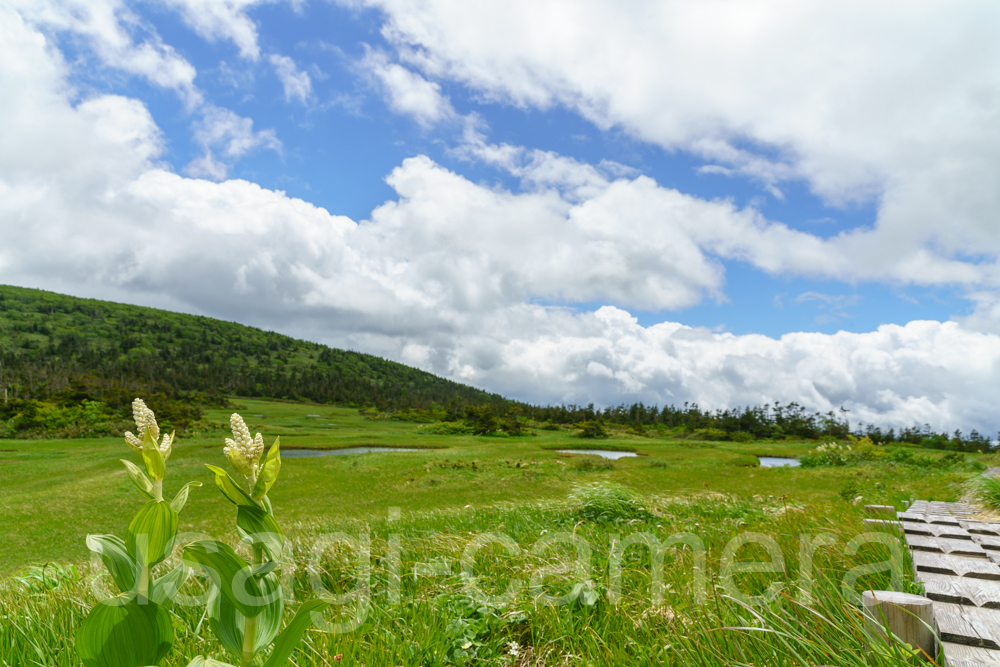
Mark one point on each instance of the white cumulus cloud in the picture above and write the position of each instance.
(449, 273)
(894, 102)
(406, 91)
(297, 84)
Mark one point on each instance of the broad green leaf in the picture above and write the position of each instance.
(150, 536)
(151, 456)
(229, 573)
(230, 488)
(124, 634)
(139, 478)
(115, 556)
(258, 527)
(177, 504)
(269, 471)
(228, 623)
(166, 587)
(266, 503)
(199, 661)
(264, 568)
(290, 636)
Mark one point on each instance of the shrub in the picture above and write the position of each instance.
(606, 502)
(591, 429)
(709, 434)
(591, 463)
(987, 491)
(741, 436)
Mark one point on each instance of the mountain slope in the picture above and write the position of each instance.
(65, 349)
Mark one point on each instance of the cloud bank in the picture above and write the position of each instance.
(450, 274)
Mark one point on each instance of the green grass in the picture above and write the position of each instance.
(53, 493)
(437, 621)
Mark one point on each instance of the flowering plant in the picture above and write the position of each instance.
(133, 627)
(246, 603)
(247, 599)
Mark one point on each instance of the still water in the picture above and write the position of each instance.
(777, 462)
(302, 453)
(603, 453)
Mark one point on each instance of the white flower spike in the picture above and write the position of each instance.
(145, 422)
(243, 451)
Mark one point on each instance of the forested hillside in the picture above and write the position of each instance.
(69, 351)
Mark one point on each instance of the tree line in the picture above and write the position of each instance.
(72, 353)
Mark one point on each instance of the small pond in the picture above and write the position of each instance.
(302, 453)
(603, 453)
(777, 462)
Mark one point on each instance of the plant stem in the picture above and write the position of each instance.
(158, 490)
(143, 589)
(250, 629)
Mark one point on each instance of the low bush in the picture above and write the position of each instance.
(591, 429)
(603, 502)
(592, 463)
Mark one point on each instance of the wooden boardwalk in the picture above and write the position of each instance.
(958, 561)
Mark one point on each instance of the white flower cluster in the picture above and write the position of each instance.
(145, 422)
(833, 448)
(242, 450)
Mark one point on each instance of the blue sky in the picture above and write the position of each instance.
(544, 199)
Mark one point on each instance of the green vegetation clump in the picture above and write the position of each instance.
(591, 429)
(987, 491)
(607, 502)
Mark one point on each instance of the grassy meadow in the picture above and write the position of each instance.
(53, 493)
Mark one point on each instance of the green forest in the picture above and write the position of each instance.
(70, 367)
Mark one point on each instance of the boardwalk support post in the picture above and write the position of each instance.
(909, 617)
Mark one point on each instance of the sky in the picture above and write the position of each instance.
(724, 202)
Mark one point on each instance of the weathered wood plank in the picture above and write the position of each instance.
(942, 588)
(958, 655)
(961, 547)
(980, 527)
(922, 543)
(942, 520)
(935, 530)
(917, 517)
(946, 546)
(969, 629)
(987, 542)
(974, 568)
(961, 590)
(956, 566)
(915, 528)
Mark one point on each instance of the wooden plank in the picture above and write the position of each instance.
(955, 566)
(958, 655)
(926, 561)
(915, 528)
(922, 543)
(960, 627)
(961, 547)
(991, 615)
(988, 542)
(980, 527)
(974, 568)
(942, 520)
(946, 546)
(935, 530)
(942, 588)
(961, 590)
(912, 516)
